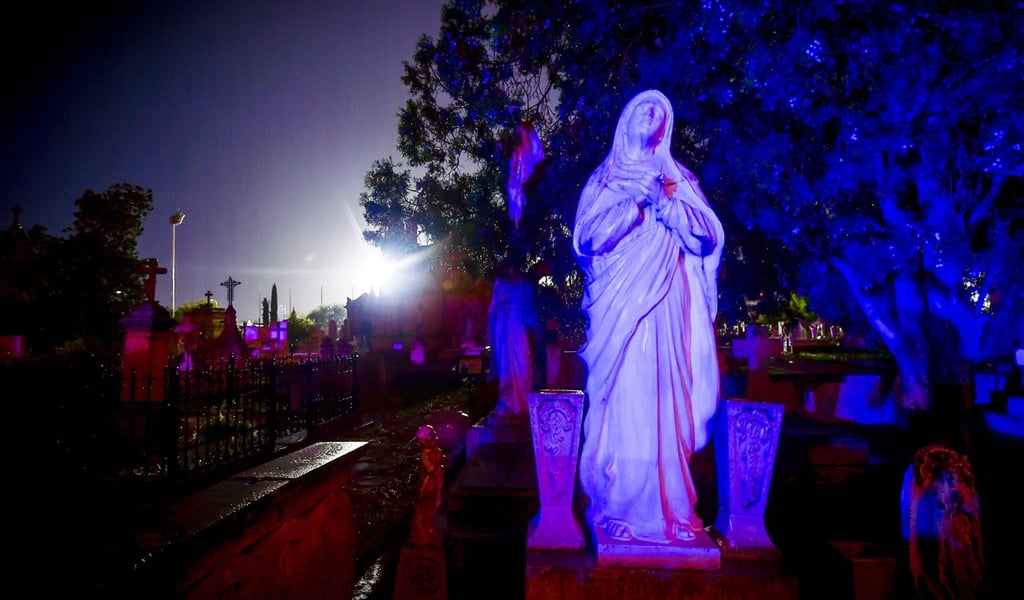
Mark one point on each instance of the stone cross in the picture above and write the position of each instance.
(231, 284)
(208, 295)
(151, 270)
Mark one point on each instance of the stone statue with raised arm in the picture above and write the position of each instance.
(649, 245)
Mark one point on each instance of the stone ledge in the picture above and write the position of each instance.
(285, 524)
(219, 502)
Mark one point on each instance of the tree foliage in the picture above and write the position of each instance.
(300, 332)
(882, 142)
(866, 154)
(322, 316)
(470, 88)
(188, 307)
(92, 277)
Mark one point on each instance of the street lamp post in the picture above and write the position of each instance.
(176, 220)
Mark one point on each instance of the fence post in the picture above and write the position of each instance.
(272, 413)
(309, 369)
(354, 364)
(172, 404)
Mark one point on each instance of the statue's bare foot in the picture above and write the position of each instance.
(618, 530)
(683, 533)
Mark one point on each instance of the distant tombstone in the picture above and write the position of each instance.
(230, 345)
(151, 270)
(418, 354)
(188, 336)
(469, 341)
(231, 284)
(329, 345)
(279, 334)
(147, 344)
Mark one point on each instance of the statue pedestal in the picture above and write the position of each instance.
(699, 554)
(578, 576)
(745, 447)
(556, 417)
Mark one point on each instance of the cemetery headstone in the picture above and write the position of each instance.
(147, 345)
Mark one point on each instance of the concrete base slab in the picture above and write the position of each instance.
(577, 575)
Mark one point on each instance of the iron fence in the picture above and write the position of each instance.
(184, 425)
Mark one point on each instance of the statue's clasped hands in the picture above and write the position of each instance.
(668, 185)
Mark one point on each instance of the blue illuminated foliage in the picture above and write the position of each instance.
(848, 134)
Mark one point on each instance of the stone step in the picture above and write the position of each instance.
(489, 507)
(495, 492)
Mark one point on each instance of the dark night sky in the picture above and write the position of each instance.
(257, 119)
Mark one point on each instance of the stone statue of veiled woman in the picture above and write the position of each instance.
(649, 245)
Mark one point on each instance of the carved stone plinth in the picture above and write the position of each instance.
(556, 418)
(745, 447)
(698, 554)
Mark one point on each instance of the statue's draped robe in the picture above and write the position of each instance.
(651, 356)
(510, 319)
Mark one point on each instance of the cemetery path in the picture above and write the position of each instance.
(384, 481)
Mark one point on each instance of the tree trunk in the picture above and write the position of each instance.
(934, 373)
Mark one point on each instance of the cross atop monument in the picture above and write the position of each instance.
(151, 270)
(209, 295)
(231, 284)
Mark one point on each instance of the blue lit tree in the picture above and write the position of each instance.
(884, 141)
(487, 71)
(879, 142)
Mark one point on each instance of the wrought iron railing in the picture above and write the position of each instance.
(184, 425)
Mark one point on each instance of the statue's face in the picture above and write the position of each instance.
(646, 121)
